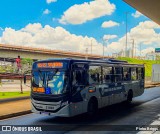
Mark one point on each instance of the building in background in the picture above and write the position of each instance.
(150, 56)
(121, 54)
(114, 55)
(129, 53)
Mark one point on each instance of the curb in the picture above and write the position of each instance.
(151, 86)
(15, 114)
(14, 99)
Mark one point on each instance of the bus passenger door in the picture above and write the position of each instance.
(118, 90)
(136, 81)
(107, 85)
(111, 93)
(79, 83)
(105, 96)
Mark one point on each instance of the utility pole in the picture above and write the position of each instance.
(91, 45)
(86, 53)
(140, 51)
(126, 33)
(133, 48)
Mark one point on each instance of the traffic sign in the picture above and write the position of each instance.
(157, 50)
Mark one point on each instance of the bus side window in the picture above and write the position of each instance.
(140, 75)
(77, 77)
(85, 77)
(107, 74)
(80, 74)
(118, 74)
(133, 74)
(80, 77)
(94, 74)
(126, 74)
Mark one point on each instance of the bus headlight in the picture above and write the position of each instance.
(64, 103)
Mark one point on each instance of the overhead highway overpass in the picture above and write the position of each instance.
(149, 8)
(10, 51)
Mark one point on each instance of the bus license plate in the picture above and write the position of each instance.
(50, 108)
(47, 113)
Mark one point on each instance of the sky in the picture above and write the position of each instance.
(73, 25)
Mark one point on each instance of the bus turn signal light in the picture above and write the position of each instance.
(91, 90)
(38, 89)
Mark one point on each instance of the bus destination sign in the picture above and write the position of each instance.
(50, 65)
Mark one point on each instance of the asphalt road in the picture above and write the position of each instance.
(142, 111)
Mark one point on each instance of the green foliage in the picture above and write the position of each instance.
(26, 65)
(6, 68)
(27, 61)
(6, 95)
(148, 64)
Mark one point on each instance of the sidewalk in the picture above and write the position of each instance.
(14, 108)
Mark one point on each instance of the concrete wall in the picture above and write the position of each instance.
(156, 73)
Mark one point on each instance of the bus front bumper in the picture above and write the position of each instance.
(50, 109)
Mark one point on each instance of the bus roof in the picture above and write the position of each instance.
(108, 61)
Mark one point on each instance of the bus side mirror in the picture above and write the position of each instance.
(25, 78)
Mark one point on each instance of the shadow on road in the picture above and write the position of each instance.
(108, 113)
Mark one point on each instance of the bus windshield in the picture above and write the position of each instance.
(54, 81)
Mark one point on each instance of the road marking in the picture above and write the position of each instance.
(155, 122)
(145, 132)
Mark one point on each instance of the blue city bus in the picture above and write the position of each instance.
(69, 87)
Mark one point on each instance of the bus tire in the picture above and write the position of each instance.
(129, 96)
(92, 107)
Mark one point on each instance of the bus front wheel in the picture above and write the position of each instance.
(92, 107)
(129, 96)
